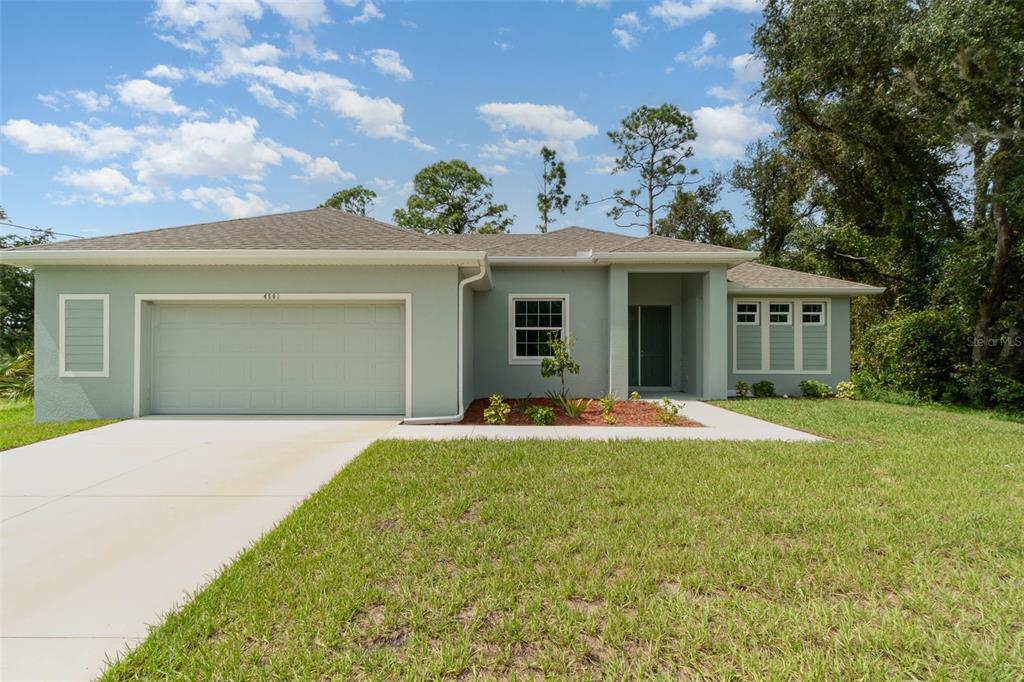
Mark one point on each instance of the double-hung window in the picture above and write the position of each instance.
(746, 313)
(780, 313)
(813, 313)
(533, 320)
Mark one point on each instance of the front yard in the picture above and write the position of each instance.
(895, 551)
(17, 427)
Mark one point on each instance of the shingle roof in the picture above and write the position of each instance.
(658, 244)
(759, 276)
(318, 228)
(571, 240)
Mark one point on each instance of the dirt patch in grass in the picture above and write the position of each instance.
(627, 413)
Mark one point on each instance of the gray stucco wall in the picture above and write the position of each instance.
(434, 324)
(789, 383)
(587, 288)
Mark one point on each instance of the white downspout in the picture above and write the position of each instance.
(451, 419)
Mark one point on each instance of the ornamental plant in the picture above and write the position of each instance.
(764, 389)
(812, 388)
(666, 411)
(539, 415)
(742, 389)
(497, 412)
(560, 361)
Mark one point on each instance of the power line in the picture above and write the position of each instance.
(42, 229)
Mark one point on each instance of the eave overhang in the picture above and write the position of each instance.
(32, 258)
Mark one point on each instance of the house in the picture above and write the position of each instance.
(324, 312)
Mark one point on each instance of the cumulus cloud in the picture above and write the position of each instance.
(170, 73)
(145, 95)
(551, 125)
(369, 13)
(495, 169)
(626, 27)
(724, 132)
(389, 63)
(89, 100)
(678, 12)
(5, 171)
(267, 98)
(323, 169)
(698, 56)
(106, 185)
(77, 139)
(747, 70)
(225, 199)
(302, 14)
(209, 19)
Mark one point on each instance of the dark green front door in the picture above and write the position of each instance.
(650, 345)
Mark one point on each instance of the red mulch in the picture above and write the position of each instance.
(627, 412)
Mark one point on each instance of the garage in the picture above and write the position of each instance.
(278, 357)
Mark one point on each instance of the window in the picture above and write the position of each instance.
(533, 320)
(84, 335)
(778, 313)
(746, 313)
(813, 313)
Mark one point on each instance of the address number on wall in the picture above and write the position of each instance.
(271, 296)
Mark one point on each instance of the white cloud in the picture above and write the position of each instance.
(171, 73)
(724, 132)
(209, 19)
(303, 43)
(389, 63)
(187, 45)
(624, 38)
(77, 139)
(594, 3)
(107, 185)
(604, 164)
(678, 12)
(323, 169)
(146, 95)
(240, 61)
(267, 98)
(552, 125)
(629, 20)
(225, 199)
(90, 100)
(496, 169)
(502, 45)
(369, 13)
(698, 55)
(302, 14)
(522, 147)
(383, 184)
(5, 171)
(626, 27)
(49, 101)
(747, 70)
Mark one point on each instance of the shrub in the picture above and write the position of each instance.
(742, 389)
(634, 395)
(497, 412)
(764, 389)
(610, 419)
(812, 388)
(575, 407)
(607, 403)
(985, 386)
(846, 390)
(666, 411)
(915, 353)
(17, 375)
(560, 361)
(540, 415)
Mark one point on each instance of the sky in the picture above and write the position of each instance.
(124, 116)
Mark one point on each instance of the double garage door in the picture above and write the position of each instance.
(277, 358)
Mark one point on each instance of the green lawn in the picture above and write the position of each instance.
(895, 551)
(17, 427)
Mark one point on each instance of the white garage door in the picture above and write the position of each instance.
(278, 358)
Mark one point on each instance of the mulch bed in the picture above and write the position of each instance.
(627, 412)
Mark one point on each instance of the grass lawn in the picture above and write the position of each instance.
(17, 427)
(895, 551)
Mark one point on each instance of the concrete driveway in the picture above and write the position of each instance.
(105, 530)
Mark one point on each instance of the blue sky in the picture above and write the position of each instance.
(128, 115)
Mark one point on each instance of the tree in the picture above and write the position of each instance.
(16, 295)
(552, 196)
(560, 360)
(693, 216)
(352, 200)
(654, 142)
(452, 197)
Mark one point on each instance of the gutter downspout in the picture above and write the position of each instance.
(451, 419)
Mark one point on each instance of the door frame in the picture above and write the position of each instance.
(639, 345)
(269, 297)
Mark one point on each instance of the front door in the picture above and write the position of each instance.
(650, 345)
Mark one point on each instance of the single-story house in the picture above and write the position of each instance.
(324, 312)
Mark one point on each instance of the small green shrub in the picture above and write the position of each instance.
(846, 390)
(986, 386)
(610, 419)
(634, 395)
(742, 389)
(497, 412)
(575, 407)
(17, 375)
(666, 411)
(560, 360)
(764, 389)
(540, 415)
(812, 388)
(607, 403)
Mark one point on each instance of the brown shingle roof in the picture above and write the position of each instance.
(318, 228)
(571, 240)
(759, 276)
(658, 244)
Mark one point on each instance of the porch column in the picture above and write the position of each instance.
(716, 334)
(618, 330)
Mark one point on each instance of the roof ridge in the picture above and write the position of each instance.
(691, 242)
(404, 230)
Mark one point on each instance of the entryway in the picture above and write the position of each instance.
(650, 345)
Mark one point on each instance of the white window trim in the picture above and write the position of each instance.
(62, 370)
(514, 359)
(736, 313)
(798, 355)
(824, 310)
(406, 299)
(789, 313)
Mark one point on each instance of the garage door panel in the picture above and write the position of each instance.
(279, 358)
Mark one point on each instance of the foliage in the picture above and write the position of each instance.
(846, 390)
(812, 388)
(498, 410)
(352, 200)
(654, 143)
(666, 411)
(985, 386)
(610, 419)
(916, 353)
(742, 389)
(16, 296)
(634, 395)
(692, 216)
(560, 361)
(17, 376)
(764, 389)
(607, 403)
(575, 407)
(552, 196)
(540, 415)
(452, 197)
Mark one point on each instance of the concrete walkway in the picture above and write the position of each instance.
(718, 424)
(105, 530)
